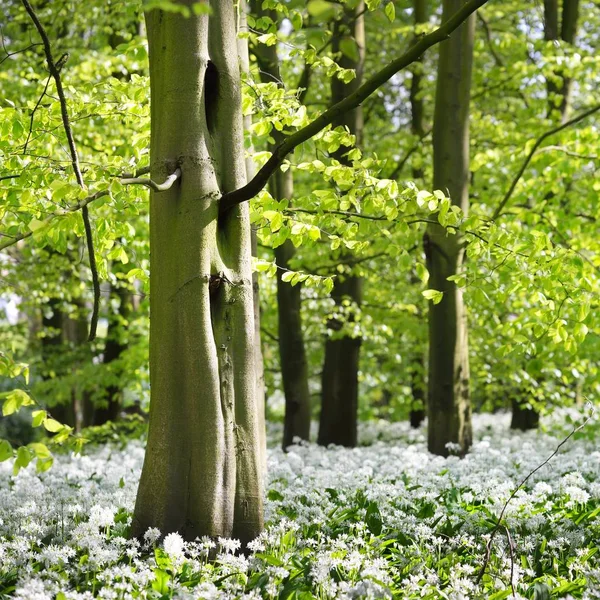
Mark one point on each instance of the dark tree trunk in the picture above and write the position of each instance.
(339, 394)
(523, 417)
(339, 408)
(292, 353)
(417, 383)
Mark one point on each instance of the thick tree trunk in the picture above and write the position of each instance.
(339, 391)
(448, 401)
(202, 473)
(292, 353)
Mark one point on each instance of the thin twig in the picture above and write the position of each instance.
(54, 69)
(32, 116)
(498, 526)
(512, 562)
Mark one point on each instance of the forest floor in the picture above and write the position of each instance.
(385, 520)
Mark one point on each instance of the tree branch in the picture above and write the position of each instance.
(513, 185)
(253, 187)
(87, 200)
(54, 69)
(157, 187)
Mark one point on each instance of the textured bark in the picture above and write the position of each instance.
(418, 388)
(259, 366)
(202, 472)
(448, 401)
(292, 353)
(339, 382)
(523, 417)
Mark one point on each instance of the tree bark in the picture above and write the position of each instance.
(339, 381)
(259, 365)
(417, 382)
(202, 472)
(448, 400)
(292, 353)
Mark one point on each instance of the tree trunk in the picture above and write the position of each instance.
(523, 416)
(292, 353)
(417, 382)
(560, 29)
(339, 391)
(448, 401)
(52, 347)
(202, 472)
(116, 344)
(259, 365)
(294, 366)
(75, 330)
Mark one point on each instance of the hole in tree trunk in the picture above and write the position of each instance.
(211, 95)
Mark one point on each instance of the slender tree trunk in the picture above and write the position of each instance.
(202, 472)
(339, 382)
(564, 30)
(115, 346)
(292, 353)
(448, 400)
(52, 347)
(75, 329)
(417, 382)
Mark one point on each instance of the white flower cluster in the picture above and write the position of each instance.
(384, 520)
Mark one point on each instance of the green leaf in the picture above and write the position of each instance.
(287, 276)
(37, 417)
(23, 459)
(433, 295)
(390, 11)
(14, 400)
(52, 425)
(6, 450)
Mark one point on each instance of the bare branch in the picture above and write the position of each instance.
(157, 187)
(253, 187)
(499, 525)
(32, 116)
(513, 185)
